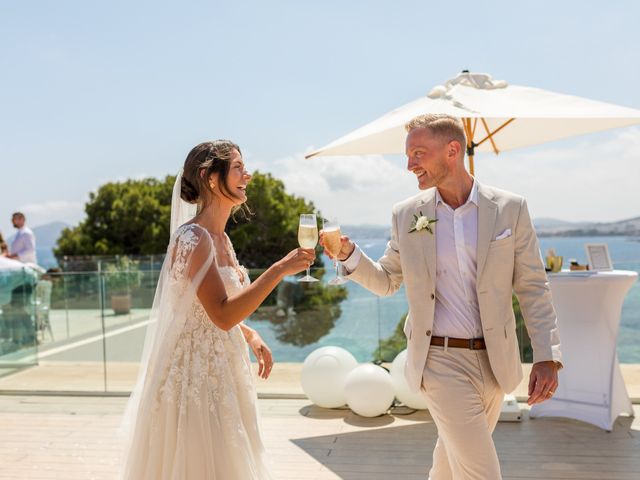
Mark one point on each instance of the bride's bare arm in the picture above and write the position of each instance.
(260, 350)
(226, 311)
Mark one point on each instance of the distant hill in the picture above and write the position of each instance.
(47, 235)
(545, 227)
(549, 227)
(541, 223)
(366, 231)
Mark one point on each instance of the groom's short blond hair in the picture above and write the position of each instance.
(444, 126)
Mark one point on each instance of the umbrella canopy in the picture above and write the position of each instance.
(496, 117)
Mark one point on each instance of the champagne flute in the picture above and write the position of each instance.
(331, 239)
(308, 238)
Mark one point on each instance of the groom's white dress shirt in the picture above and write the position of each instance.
(457, 313)
(24, 245)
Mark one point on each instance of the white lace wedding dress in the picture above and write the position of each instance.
(195, 414)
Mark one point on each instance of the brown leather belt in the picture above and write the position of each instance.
(470, 343)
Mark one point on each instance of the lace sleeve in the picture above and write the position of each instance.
(190, 249)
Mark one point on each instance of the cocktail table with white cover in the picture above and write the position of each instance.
(591, 387)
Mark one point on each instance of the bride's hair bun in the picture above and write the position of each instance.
(204, 160)
(188, 192)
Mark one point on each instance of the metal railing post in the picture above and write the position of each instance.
(104, 339)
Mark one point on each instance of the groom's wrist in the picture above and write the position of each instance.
(351, 261)
(348, 255)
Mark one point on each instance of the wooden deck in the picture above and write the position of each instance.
(45, 438)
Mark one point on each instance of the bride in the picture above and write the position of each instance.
(192, 414)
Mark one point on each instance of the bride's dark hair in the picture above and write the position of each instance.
(203, 160)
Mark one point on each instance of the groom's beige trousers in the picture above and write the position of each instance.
(464, 400)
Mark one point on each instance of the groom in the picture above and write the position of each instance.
(459, 275)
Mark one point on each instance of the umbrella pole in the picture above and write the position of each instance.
(470, 145)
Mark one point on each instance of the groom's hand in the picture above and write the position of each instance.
(543, 381)
(346, 247)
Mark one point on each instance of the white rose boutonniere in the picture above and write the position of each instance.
(422, 223)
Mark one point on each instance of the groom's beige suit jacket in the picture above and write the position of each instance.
(504, 265)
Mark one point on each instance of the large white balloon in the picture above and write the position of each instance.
(323, 375)
(369, 390)
(403, 393)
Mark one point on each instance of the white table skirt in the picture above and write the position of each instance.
(591, 387)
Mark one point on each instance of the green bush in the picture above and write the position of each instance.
(122, 218)
(526, 352)
(392, 346)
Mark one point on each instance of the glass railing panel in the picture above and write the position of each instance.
(392, 312)
(18, 322)
(75, 305)
(75, 340)
(70, 352)
(629, 333)
(125, 330)
(299, 317)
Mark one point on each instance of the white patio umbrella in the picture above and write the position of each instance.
(496, 117)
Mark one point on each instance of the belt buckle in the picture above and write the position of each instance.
(472, 345)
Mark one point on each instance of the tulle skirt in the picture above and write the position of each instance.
(204, 423)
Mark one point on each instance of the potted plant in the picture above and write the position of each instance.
(119, 280)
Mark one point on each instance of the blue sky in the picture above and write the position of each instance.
(99, 91)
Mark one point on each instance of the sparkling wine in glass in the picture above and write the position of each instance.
(331, 239)
(308, 238)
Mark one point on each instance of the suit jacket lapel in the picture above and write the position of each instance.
(487, 214)
(427, 206)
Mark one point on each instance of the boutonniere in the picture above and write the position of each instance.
(422, 223)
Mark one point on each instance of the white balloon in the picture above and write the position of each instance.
(369, 390)
(403, 393)
(323, 375)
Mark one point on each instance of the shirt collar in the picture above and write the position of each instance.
(473, 195)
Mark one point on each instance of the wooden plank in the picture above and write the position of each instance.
(45, 438)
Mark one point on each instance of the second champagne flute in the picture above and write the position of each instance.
(331, 235)
(308, 238)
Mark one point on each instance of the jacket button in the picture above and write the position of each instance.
(428, 333)
(433, 296)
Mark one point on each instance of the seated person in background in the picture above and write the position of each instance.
(23, 247)
(4, 248)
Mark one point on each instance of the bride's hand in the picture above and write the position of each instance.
(297, 260)
(262, 353)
